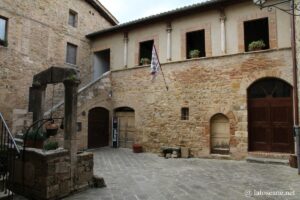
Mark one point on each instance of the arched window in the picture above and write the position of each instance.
(269, 87)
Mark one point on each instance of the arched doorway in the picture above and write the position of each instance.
(98, 128)
(270, 116)
(220, 134)
(126, 117)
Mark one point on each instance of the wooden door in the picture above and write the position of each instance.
(98, 128)
(126, 128)
(270, 114)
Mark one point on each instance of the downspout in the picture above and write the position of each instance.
(295, 91)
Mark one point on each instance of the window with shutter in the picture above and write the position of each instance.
(71, 53)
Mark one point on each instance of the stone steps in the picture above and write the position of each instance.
(4, 194)
(268, 160)
(258, 154)
(19, 141)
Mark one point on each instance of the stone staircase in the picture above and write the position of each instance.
(9, 153)
(99, 88)
(19, 139)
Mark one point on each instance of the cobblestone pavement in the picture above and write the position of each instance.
(146, 176)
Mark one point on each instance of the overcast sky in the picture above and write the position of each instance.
(128, 10)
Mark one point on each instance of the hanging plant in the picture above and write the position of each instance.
(51, 128)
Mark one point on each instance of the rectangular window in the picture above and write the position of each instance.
(184, 113)
(3, 31)
(145, 52)
(256, 34)
(195, 44)
(73, 18)
(71, 53)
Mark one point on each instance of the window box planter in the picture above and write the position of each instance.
(137, 148)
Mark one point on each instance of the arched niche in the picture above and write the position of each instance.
(220, 134)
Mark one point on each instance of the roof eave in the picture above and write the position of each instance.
(164, 16)
(103, 11)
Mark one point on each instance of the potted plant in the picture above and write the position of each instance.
(194, 53)
(256, 45)
(51, 146)
(137, 148)
(145, 61)
(51, 128)
(34, 139)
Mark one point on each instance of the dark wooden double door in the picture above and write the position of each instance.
(98, 128)
(270, 112)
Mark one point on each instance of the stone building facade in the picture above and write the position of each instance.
(37, 34)
(211, 105)
(223, 102)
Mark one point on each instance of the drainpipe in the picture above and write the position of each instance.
(295, 91)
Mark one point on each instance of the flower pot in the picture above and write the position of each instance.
(51, 129)
(137, 148)
(256, 49)
(293, 161)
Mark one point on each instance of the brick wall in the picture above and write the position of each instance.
(207, 86)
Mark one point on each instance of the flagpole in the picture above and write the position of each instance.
(167, 87)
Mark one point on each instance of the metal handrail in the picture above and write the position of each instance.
(9, 133)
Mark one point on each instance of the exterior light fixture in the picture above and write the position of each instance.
(259, 2)
(278, 4)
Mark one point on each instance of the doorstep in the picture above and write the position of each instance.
(261, 154)
(268, 158)
(268, 161)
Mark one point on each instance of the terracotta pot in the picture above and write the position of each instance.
(257, 49)
(293, 161)
(137, 148)
(51, 129)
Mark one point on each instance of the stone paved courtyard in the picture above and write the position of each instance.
(146, 176)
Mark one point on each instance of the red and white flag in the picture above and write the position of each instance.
(155, 65)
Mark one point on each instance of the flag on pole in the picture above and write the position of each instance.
(155, 65)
